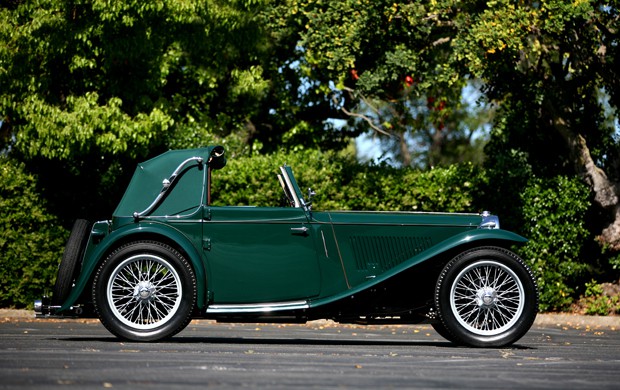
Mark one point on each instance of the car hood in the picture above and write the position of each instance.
(398, 218)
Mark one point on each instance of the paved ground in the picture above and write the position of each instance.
(560, 352)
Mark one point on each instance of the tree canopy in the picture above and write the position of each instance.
(90, 87)
(551, 68)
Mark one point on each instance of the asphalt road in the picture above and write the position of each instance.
(81, 354)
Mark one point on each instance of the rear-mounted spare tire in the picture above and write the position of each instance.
(68, 269)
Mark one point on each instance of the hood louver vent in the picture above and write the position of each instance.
(381, 253)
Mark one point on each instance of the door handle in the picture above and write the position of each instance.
(300, 230)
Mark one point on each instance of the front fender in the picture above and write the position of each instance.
(470, 238)
(96, 252)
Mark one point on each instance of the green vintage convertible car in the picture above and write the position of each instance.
(168, 255)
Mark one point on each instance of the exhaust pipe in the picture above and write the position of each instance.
(43, 309)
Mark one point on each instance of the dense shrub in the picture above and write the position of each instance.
(599, 299)
(343, 184)
(508, 174)
(554, 215)
(31, 240)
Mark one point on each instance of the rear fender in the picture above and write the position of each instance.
(463, 240)
(98, 248)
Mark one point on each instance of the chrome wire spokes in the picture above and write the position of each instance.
(487, 298)
(144, 291)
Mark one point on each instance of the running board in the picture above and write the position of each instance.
(257, 307)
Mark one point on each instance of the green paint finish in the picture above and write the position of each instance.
(467, 238)
(187, 189)
(373, 243)
(184, 233)
(261, 255)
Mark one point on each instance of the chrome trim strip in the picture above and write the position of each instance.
(401, 224)
(257, 307)
(399, 212)
(281, 221)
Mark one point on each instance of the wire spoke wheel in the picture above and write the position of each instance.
(487, 298)
(144, 291)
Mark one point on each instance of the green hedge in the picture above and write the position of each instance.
(31, 240)
(341, 183)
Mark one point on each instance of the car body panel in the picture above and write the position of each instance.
(371, 243)
(462, 240)
(260, 254)
(183, 233)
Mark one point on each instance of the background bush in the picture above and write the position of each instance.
(341, 183)
(31, 240)
(554, 213)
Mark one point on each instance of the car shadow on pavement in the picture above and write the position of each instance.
(285, 341)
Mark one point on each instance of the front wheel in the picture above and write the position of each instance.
(144, 291)
(486, 297)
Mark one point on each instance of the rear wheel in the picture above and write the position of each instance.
(486, 297)
(67, 270)
(145, 291)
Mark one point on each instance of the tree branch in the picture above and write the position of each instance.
(361, 116)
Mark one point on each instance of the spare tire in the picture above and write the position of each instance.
(68, 270)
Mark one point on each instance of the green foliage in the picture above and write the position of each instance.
(554, 221)
(343, 184)
(89, 88)
(388, 66)
(596, 302)
(85, 126)
(115, 76)
(614, 261)
(593, 289)
(602, 305)
(31, 240)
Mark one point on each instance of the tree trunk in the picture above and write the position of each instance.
(606, 192)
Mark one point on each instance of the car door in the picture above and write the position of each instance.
(259, 255)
